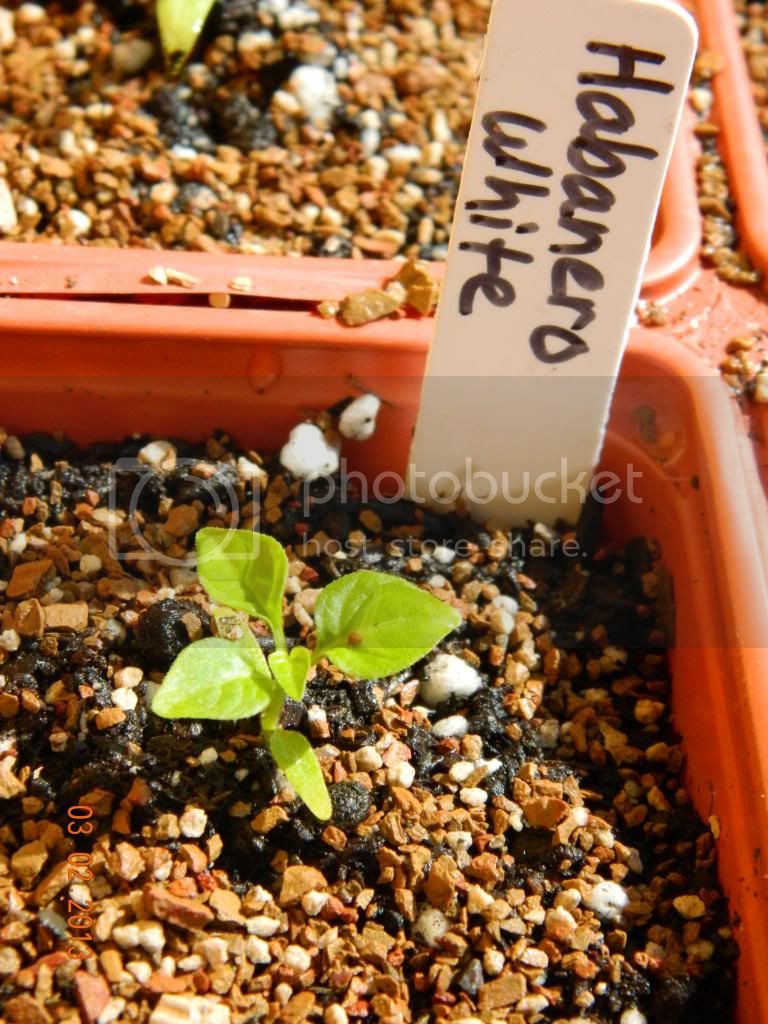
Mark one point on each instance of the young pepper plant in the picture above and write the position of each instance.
(367, 623)
(180, 23)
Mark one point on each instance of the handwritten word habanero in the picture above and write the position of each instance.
(596, 155)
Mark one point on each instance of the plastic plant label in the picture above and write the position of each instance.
(577, 110)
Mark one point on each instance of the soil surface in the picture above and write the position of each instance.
(523, 852)
(323, 128)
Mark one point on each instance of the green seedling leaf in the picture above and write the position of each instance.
(245, 570)
(290, 670)
(215, 678)
(295, 757)
(180, 23)
(371, 624)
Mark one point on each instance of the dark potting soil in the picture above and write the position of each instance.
(525, 852)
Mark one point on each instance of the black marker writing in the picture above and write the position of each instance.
(505, 194)
(600, 151)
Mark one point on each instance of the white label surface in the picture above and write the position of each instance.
(577, 109)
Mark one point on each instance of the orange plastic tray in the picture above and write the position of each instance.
(116, 368)
(36, 269)
(741, 138)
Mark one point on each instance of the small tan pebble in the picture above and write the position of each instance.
(241, 284)
(67, 616)
(709, 63)
(126, 862)
(128, 677)
(27, 576)
(9, 705)
(90, 564)
(421, 289)
(335, 1014)
(226, 905)
(186, 913)
(366, 306)
(649, 711)
(298, 880)
(109, 717)
(13, 448)
(187, 1009)
(269, 818)
(506, 990)
(169, 275)
(159, 455)
(689, 907)
(182, 520)
(219, 300)
(545, 812)
(192, 822)
(28, 861)
(92, 994)
(328, 309)
(760, 393)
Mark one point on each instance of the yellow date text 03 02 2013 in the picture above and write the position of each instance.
(79, 919)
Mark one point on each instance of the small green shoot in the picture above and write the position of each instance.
(180, 23)
(368, 624)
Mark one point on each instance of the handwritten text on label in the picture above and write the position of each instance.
(598, 152)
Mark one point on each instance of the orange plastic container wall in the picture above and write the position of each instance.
(703, 500)
(73, 272)
(743, 141)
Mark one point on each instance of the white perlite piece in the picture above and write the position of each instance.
(8, 218)
(608, 900)
(315, 89)
(297, 959)
(262, 925)
(74, 223)
(449, 676)
(131, 56)
(307, 454)
(401, 775)
(257, 950)
(454, 725)
(633, 1016)
(431, 925)
(473, 796)
(368, 759)
(192, 822)
(358, 421)
(184, 1009)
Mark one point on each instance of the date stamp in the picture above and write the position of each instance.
(79, 917)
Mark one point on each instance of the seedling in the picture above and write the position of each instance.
(368, 624)
(180, 23)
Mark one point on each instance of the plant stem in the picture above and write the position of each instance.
(279, 636)
(270, 716)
